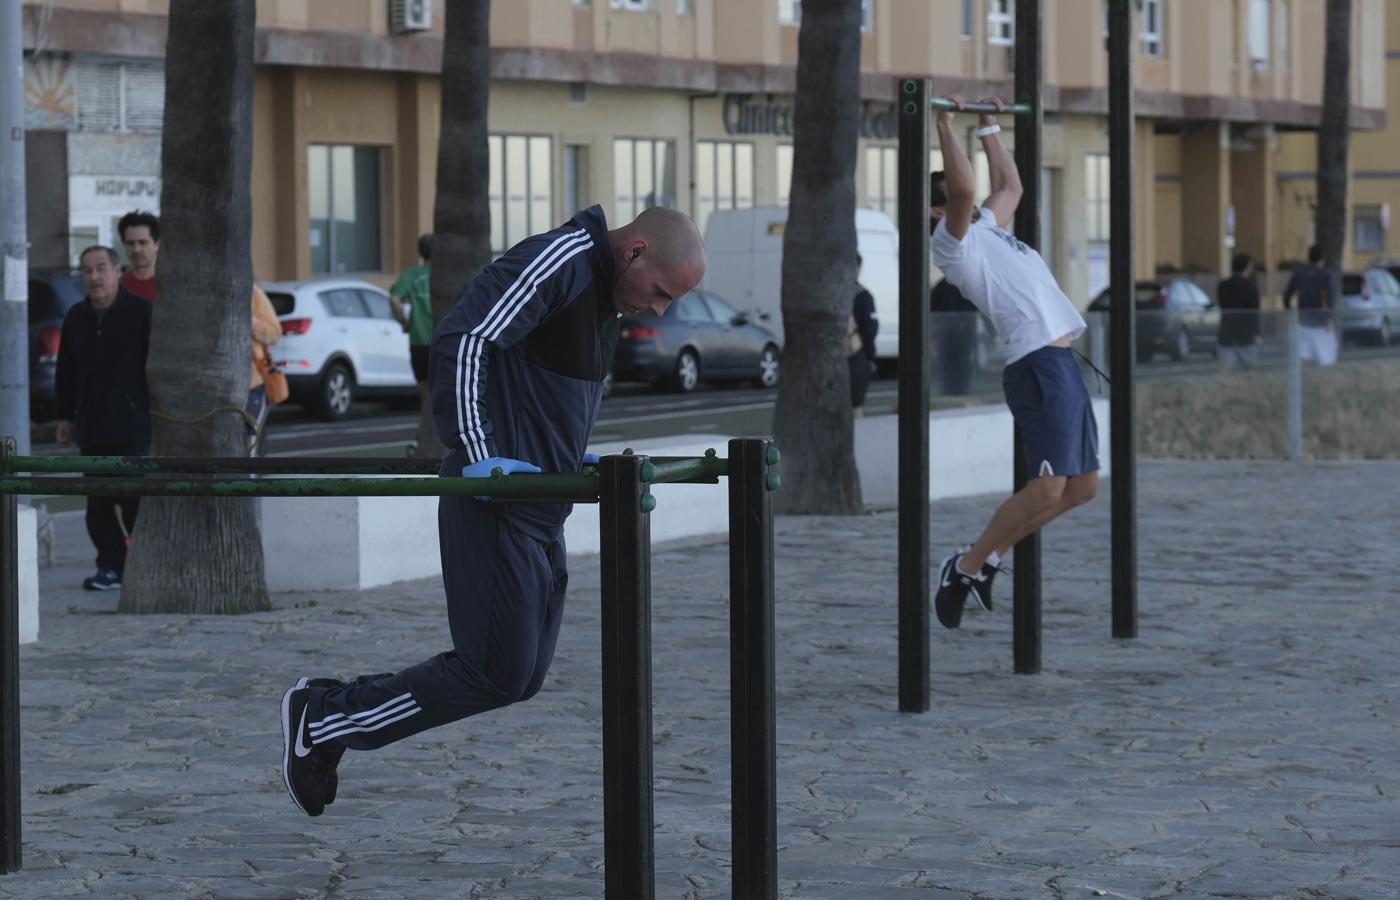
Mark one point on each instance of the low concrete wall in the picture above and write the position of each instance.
(1350, 411)
(362, 542)
(28, 574)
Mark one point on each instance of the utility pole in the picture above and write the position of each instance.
(14, 243)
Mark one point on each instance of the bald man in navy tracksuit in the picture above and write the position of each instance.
(516, 380)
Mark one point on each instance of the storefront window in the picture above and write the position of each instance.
(723, 177)
(520, 193)
(644, 175)
(784, 173)
(344, 199)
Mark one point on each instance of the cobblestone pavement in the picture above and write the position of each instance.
(1245, 745)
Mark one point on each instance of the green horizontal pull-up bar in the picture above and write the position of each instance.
(943, 104)
(580, 488)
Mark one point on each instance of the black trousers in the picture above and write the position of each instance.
(111, 519)
(505, 600)
(859, 365)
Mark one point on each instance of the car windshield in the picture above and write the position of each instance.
(1351, 284)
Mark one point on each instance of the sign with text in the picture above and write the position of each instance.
(113, 193)
(747, 114)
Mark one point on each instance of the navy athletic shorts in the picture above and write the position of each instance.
(1050, 403)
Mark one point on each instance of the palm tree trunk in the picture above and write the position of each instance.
(461, 218)
(1333, 135)
(202, 555)
(812, 422)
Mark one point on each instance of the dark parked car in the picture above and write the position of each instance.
(52, 292)
(1176, 318)
(700, 338)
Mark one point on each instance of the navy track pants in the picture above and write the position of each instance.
(505, 599)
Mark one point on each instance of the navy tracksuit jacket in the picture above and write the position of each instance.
(517, 371)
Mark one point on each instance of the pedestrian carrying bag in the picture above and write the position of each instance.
(273, 380)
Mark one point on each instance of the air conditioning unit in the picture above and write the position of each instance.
(408, 16)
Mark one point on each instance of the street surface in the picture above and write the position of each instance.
(1244, 745)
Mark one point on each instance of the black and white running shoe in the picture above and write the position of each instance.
(951, 596)
(308, 772)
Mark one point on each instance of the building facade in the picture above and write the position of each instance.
(689, 103)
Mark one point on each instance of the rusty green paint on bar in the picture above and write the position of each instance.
(703, 469)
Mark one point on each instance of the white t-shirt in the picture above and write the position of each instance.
(1009, 282)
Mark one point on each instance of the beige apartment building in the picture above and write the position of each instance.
(689, 103)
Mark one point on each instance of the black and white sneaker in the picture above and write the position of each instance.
(980, 588)
(104, 580)
(307, 771)
(328, 753)
(951, 596)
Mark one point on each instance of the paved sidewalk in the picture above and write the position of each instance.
(1244, 746)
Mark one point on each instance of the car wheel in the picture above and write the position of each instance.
(687, 377)
(337, 392)
(767, 368)
(1181, 347)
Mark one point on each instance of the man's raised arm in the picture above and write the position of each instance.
(1006, 180)
(957, 172)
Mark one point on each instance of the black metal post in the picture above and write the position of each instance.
(753, 728)
(913, 98)
(1026, 600)
(1122, 341)
(9, 670)
(629, 862)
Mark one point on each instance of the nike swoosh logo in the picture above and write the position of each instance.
(300, 748)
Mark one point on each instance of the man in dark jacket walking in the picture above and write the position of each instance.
(1237, 341)
(100, 397)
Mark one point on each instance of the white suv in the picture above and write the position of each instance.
(339, 341)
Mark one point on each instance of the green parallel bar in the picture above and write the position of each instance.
(697, 469)
(943, 104)
(582, 488)
(148, 465)
(236, 465)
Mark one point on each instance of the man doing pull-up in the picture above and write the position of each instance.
(1011, 285)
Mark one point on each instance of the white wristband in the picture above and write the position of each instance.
(988, 130)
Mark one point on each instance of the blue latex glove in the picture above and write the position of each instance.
(483, 468)
(591, 459)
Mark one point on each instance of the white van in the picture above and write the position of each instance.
(745, 266)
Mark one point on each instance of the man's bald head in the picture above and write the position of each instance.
(659, 256)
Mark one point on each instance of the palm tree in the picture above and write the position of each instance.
(461, 218)
(812, 422)
(202, 554)
(1333, 135)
